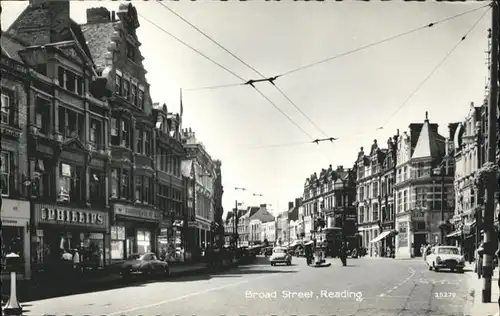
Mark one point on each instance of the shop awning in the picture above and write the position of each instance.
(381, 236)
(455, 234)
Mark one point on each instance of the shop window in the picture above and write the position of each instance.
(143, 241)
(42, 116)
(12, 241)
(5, 172)
(117, 242)
(140, 141)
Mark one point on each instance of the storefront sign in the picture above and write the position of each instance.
(15, 211)
(135, 212)
(51, 214)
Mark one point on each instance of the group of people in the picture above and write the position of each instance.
(310, 249)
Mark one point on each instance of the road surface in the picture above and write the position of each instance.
(365, 287)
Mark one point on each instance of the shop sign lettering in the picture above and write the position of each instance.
(136, 212)
(71, 216)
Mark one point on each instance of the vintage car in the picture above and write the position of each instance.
(445, 257)
(280, 255)
(146, 264)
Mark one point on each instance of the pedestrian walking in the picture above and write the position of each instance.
(479, 260)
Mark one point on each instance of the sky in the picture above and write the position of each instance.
(347, 98)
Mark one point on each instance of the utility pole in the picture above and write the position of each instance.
(492, 143)
(235, 223)
(442, 203)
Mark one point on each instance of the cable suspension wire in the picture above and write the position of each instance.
(435, 69)
(283, 113)
(215, 87)
(251, 82)
(379, 42)
(192, 48)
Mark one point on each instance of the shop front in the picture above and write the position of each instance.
(404, 237)
(16, 235)
(60, 229)
(134, 231)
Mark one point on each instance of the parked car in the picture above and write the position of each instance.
(445, 257)
(146, 264)
(280, 255)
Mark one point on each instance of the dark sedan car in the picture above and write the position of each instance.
(146, 264)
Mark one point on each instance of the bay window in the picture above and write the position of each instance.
(125, 133)
(140, 97)
(44, 180)
(42, 115)
(114, 183)
(70, 183)
(120, 132)
(125, 184)
(148, 198)
(95, 133)
(147, 142)
(133, 94)
(140, 140)
(6, 108)
(71, 123)
(138, 189)
(125, 91)
(97, 189)
(118, 84)
(5, 172)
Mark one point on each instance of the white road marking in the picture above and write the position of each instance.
(183, 297)
(412, 273)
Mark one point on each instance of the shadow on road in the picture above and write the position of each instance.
(59, 289)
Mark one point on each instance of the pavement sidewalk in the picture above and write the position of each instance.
(477, 307)
(32, 290)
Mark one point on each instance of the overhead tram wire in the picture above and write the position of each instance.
(229, 71)
(435, 69)
(250, 82)
(379, 42)
(193, 49)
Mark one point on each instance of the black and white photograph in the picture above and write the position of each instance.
(250, 158)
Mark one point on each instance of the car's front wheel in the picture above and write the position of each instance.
(166, 272)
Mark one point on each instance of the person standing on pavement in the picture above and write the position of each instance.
(479, 260)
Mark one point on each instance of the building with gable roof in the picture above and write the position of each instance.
(67, 115)
(418, 189)
(329, 197)
(115, 48)
(257, 224)
(368, 199)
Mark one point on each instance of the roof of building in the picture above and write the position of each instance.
(429, 142)
(11, 46)
(99, 37)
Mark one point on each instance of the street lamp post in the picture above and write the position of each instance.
(235, 218)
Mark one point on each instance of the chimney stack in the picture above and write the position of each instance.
(98, 15)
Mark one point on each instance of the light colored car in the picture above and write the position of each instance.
(280, 255)
(445, 257)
